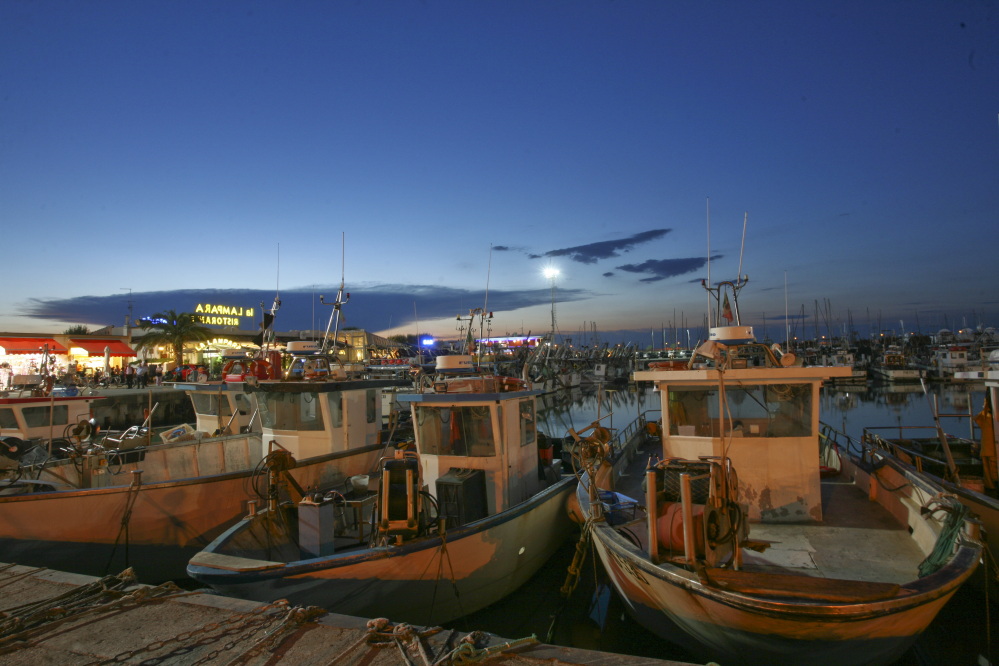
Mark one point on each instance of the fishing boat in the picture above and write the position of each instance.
(948, 363)
(118, 500)
(756, 545)
(892, 366)
(454, 523)
(847, 359)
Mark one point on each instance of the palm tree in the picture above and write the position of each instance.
(174, 330)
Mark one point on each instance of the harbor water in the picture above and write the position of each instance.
(595, 617)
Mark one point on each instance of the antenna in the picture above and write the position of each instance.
(419, 350)
(341, 298)
(130, 322)
(787, 326)
(709, 260)
(489, 270)
(743, 248)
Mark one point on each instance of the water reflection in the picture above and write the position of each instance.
(616, 405)
(852, 409)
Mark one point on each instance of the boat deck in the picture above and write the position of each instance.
(857, 540)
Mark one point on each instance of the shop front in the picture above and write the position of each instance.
(27, 356)
(89, 353)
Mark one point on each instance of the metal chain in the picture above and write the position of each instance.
(295, 618)
(54, 617)
(245, 618)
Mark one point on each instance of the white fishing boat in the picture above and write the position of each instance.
(840, 358)
(948, 363)
(746, 554)
(454, 525)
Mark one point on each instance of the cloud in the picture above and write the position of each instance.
(591, 252)
(501, 248)
(660, 269)
(609, 274)
(370, 306)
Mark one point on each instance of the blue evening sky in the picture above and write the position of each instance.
(169, 147)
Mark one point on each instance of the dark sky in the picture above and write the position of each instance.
(170, 147)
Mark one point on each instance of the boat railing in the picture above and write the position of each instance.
(829, 436)
(620, 440)
(908, 454)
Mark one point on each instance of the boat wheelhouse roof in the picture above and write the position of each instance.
(755, 374)
(323, 387)
(211, 387)
(445, 398)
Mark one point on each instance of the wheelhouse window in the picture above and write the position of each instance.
(280, 410)
(207, 404)
(242, 404)
(456, 431)
(528, 425)
(335, 400)
(371, 405)
(308, 367)
(7, 419)
(36, 417)
(755, 410)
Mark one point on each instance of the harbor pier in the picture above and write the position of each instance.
(53, 617)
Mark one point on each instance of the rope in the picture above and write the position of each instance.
(944, 547)
(130, 498)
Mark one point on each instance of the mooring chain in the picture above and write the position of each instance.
(293, 620)
(53, 618)
(241, 620)
(18, 617)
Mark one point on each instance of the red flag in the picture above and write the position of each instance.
(727, 309)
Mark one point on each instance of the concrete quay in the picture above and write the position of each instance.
(171, 626)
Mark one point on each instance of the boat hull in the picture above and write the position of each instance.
(896, 375)
(76, 530)
(488, 559)
(727, 630)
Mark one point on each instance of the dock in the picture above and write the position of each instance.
(53, 617)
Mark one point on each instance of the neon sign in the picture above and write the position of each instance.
(218, 342)
(230, 314)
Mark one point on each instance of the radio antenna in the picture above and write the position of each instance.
(488, 272)
(743, 248)
(709, 260)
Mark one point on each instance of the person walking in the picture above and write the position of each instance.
(142, 372)
(159, 375)
(129, 376)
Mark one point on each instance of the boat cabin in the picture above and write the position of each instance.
(222, 406)
(316, 418)
(484, 432)
(764, 418)
(42, 417)
(951, 358)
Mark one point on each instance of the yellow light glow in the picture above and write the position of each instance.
(78, 351)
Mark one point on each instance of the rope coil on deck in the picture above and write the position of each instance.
(952, 528)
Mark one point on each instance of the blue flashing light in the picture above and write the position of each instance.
(427, 342)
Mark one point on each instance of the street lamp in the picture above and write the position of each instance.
(551, 273)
